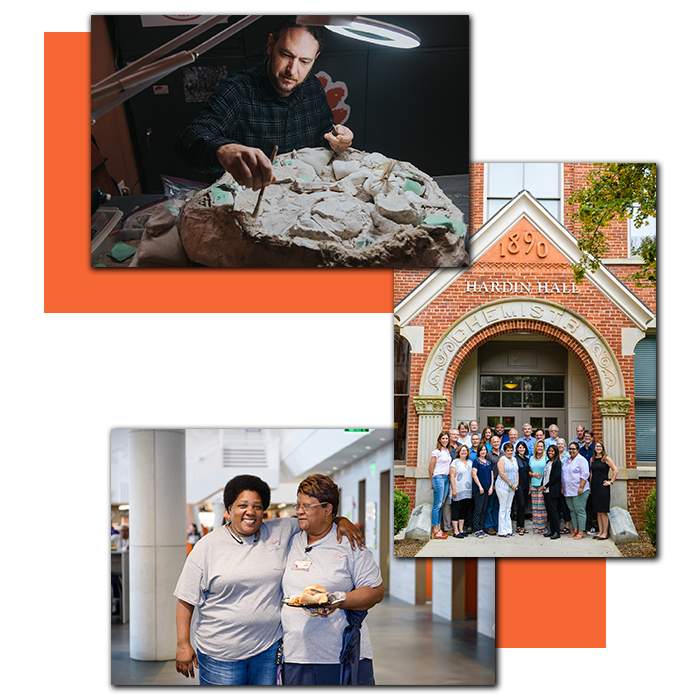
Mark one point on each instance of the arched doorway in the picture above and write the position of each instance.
(523, 378)
(554, 322)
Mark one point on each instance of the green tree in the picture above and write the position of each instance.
(622, 190)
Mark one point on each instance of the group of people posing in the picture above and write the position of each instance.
(491, 478)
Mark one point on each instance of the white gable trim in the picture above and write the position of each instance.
(524, 205)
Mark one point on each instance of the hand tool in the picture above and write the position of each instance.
(256, 211)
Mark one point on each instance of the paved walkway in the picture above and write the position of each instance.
(528, 545)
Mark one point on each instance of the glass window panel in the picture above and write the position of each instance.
(552, 420)
(490, 383)
(554, 400)
(648, 229)
(400, 427)
(532, 383)
(542, 179)
(508, 422)
(402, 358)
(490, 399)
(552, 206)
(495, 205)
(512, 399)
(505, 179)
(512, 383)
(531, 400)
(554, 383)
(645, 426)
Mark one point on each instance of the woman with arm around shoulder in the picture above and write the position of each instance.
(523, 491)
(601, 482)
(482, 474)
(439, 469)
(506, 484)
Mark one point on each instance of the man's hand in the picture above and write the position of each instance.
(342, 141)
(248, 166)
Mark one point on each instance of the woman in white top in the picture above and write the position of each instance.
(506, 484)
(439, 469)
(461, 484)
(314, 649)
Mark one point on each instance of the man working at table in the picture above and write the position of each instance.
(277, 103)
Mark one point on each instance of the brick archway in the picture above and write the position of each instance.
(546, 331)
(522, 314)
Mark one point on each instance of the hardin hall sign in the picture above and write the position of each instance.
(482, 286)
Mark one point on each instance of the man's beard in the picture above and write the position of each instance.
(279, 85)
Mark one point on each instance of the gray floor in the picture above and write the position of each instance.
(410, 648)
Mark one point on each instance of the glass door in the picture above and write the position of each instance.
(516, 399)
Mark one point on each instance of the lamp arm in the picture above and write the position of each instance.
(144, 72)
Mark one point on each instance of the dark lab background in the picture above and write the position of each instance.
(408, 104)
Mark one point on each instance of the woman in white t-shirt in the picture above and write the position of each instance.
(317, 650)
(461, 485)
(439, 469)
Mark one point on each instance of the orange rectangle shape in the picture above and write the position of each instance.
(543, 603)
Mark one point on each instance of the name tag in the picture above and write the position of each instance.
(301, 565)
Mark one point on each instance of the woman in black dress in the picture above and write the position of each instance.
(522, 456)
(601, 464)
(552, 490)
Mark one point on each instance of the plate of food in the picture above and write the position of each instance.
(313, 596)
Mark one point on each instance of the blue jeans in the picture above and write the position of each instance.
(440, 485)
(257, 670)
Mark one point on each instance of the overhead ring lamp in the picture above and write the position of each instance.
(364, 29)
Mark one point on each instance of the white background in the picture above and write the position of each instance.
(558, 78)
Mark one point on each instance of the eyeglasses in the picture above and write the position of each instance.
(304, 508)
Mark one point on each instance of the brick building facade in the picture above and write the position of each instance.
(512, 339)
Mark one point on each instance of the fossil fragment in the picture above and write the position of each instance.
(358, 209)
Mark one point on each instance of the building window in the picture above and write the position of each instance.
(507, 391)
(645, 399)
(402, 380)
(637, 235)
(541, 180)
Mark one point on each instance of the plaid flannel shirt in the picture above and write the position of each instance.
(246, 109)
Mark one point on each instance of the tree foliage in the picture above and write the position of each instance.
(622, 190)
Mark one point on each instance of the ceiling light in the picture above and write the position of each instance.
(365, 29)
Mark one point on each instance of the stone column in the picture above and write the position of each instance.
(219, 511)
(158, 546)
(430, 410)
(614, 411)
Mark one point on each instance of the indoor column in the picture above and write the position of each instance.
(158, 547)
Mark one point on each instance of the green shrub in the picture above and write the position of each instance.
(402, 510)
(650, 516)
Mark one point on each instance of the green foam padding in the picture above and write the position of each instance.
(412, 186)
(122, 252)
(439, 220)
(460, 228)
(219, 196)
(100, 265)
